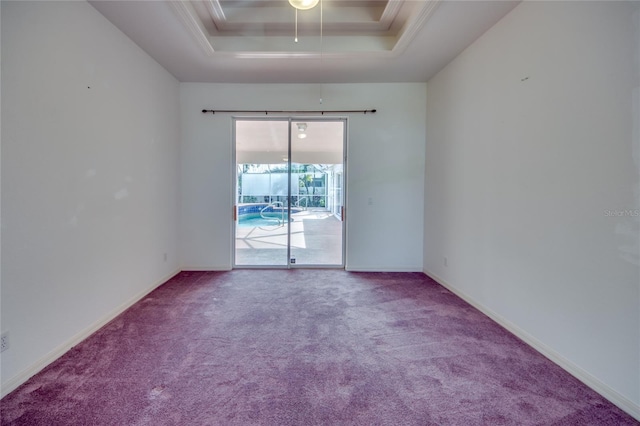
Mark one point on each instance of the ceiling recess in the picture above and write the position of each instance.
(264, 28)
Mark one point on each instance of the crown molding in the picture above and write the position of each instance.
(416, 23)
(188, 16)
(390, 13)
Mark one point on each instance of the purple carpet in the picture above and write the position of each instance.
(304, 347)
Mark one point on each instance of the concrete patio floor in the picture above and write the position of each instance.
(316, 239)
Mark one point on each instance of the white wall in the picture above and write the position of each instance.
(90, 131)
(385, 160)
(532, 146)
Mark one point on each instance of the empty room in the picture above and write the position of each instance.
(320, 212)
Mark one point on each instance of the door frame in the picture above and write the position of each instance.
(234, 190)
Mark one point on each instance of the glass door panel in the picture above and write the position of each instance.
(316, 226)
(261, 220)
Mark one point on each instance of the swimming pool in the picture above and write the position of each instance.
(253, 215)
(255, 220)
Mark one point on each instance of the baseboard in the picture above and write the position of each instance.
(349, 268)
(356, 268)
(56, 353)
(205, 268)
(579, 373)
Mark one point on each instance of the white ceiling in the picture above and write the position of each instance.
(252, 41)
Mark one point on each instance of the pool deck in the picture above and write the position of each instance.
(316, 239)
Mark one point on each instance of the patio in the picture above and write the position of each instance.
(316, 239)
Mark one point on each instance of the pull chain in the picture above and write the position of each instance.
(321, 44)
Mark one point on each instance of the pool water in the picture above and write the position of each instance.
(252, 221)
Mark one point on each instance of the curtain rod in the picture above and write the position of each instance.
(267, 112)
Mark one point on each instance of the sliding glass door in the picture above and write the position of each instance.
(289, 192)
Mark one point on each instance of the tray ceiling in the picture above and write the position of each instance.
(339, 41)
(267, 28)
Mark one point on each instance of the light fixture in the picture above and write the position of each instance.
(302, 127)
(304, 4)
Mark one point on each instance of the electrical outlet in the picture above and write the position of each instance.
(446, 262)
(4, 341)
(165, 257)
